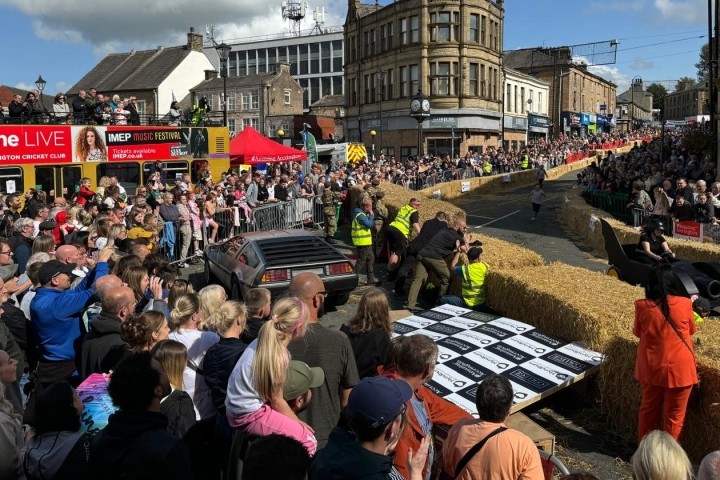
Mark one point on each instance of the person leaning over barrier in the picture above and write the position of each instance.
(473, 281)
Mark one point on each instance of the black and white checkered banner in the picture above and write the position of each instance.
(473, 345)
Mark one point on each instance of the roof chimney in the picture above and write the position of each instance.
(210, 74)
(194, 40)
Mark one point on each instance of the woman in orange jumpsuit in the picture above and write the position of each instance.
(665, 364)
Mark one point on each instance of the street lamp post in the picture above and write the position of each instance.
(40, 84)
(632, 101)
(380, 75)
(372, 135)
(281, 134)
(420, 110)
(223, 51)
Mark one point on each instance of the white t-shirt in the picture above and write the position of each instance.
(197, 344)
(242, 398)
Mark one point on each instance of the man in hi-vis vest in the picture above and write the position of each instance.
(362, 238)
(473, 282)
(398, 234)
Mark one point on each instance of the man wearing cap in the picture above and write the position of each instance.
(300, 379)
(473, 281)
(376, 416)
(55, 314)
(413, 360)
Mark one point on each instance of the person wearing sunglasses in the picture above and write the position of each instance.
(61, 109)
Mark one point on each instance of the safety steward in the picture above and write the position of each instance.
(398, 234)
(361, 233)
(473, 282)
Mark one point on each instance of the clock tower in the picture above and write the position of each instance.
(420, 110)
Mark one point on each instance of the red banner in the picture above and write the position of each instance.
(688, 230)
(21, 144)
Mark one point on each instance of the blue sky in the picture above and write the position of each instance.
(64, 39)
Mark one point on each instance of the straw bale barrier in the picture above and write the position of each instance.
(582, 219)
(579, 305)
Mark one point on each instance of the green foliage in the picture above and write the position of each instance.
(703, 65)
(685, 83)
(700, 142)
(659, 93)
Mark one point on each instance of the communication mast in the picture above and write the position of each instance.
(210, 33)
(319, 17)
(294, 12)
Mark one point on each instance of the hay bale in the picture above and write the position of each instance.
(576, 214)
(396, 197)
(565, 301)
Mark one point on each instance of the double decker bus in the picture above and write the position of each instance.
(54, 158)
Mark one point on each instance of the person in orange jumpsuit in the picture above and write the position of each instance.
(665, 364)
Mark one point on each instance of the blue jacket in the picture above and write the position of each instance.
(56, 314)
(365, 220)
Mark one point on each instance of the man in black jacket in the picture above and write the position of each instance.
(135, 444)
(16, 110)
(103, 346)
(427, 232)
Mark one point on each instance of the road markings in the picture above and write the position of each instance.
(480, 216)
(497, 219)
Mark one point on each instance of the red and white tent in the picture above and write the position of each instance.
(250, 147)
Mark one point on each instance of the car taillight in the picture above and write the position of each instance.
(276, 276)
(339, 268)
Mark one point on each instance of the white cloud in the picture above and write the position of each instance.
(122, 26)
(612, 74)
(641, 64)
(25, 86)
(683, 11)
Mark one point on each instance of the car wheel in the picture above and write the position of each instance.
(341, 299)
(613, 271)
(235, 293)
(209, 277)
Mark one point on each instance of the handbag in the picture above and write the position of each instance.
(694, 400)
(469, 455)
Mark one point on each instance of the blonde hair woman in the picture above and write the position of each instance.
(211, 297)
(369, 332)
(185, 317)
(660, 457)
(100, 190)
(229, 321)
(255, 400)
(178, 406)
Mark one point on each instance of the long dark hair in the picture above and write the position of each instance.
(662, 282)
(55, 410)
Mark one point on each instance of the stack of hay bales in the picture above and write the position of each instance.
(577, 304)
(577, 216)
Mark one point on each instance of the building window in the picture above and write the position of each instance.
(232, 102)
(444, 26)
(337, 56)
(404, 31)
(390, 27)
(288, 96)
(474, 32)
(517, 99)
(366, 81)
(389, 82)
(353, 49)
(508, 99)
(352, 86)
(245, 101)
(231, 126)
(303, 59)
(443, 78)
(483, 86)
(403, 82)
(474, 74)
(314, 58)
(415, 29)
(262, 63)
(522, 99)
(531, 98)
(483, 26)
(251, 122)
(141, 107)
(254, 99)
(325, 57)
(414, 79)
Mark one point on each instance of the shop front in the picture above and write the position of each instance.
(571, 123)
(592, 126)
(538, 127)
(514, 133)
(584, 124)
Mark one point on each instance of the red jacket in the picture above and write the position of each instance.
(83, 195)
(440, 411)
(662, 358)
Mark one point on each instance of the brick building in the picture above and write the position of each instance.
(449, 50)
(581, 102)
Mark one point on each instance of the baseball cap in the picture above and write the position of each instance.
(52, 269)
(378, 399)
(301, 378)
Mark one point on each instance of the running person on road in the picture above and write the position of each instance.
(536, 196)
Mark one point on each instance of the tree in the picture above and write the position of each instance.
(685, 83)
(703, 65)
(659, 92)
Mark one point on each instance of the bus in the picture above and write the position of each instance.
(54, 158)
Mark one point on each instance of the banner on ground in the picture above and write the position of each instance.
(688, 230)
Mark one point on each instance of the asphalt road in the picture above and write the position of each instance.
(583, 441)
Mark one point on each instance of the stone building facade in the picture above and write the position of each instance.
(267, 102)
(450, 50)
(525, 110)
(688, 104)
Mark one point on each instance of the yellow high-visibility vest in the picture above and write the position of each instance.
(473, 285)
(402, 220)
(361, 235)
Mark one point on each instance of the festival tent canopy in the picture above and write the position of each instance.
(250, 147)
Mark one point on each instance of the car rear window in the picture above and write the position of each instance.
(297, 251)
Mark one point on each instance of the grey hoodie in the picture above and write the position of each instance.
(46, 453)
